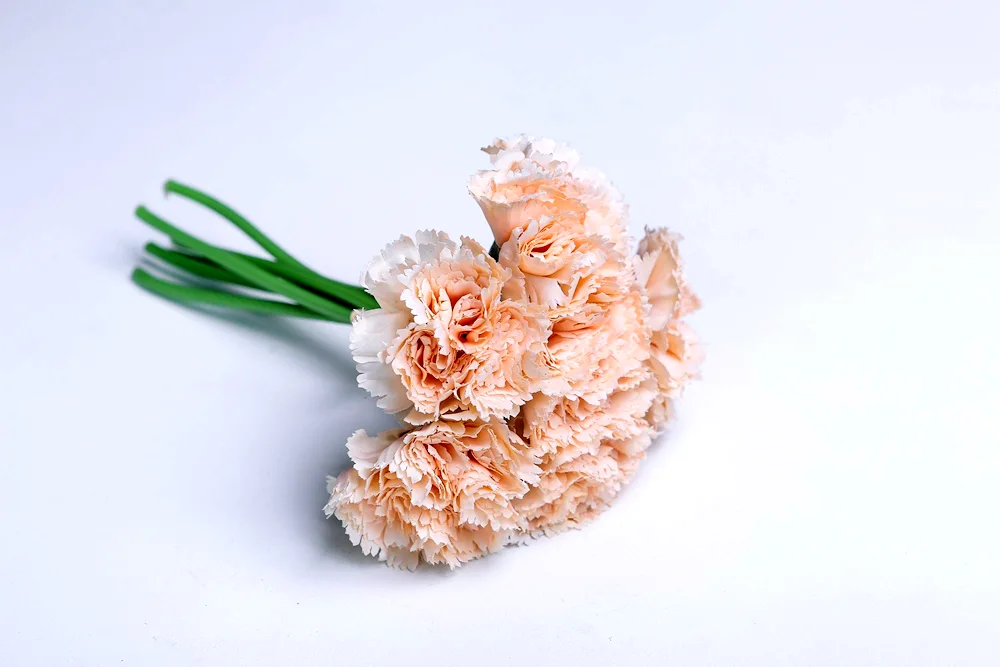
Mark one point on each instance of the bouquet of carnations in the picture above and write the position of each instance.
(529, 379)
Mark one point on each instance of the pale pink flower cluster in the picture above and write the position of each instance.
(532, 384)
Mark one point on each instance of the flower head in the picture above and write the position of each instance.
(675, 354)
(576, 491)
(442, 492)
(565, 270)
(588, 452)
(587, 355)
(561, 428)
(661, 272)
(453, 333)
(562, 230)
(535, 178)
(675, 359)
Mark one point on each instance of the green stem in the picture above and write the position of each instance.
(210, 297)
(350, 296)
(196, 266)
(286, 266)
(185, 260)
(247, 270)
(232, 216)
(354, 295)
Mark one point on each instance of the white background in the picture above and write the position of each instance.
(830, 495)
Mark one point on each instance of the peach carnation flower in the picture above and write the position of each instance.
(561, 225)
(535, 178)
(676, 354)
(661, 272)
(563, 268)
(562, 231)
(676, 358)
(454, 332)
(560, 429)
(586, 289)
(443, 492)
(578, 490)
(587, 356)
(588, 452)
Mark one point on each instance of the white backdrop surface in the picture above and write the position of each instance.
(830, 495)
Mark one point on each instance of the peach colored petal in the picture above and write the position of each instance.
(454, 333)
(661, 273)
(576, 491)
(562, 428)
(587, 356)
(662, 412)
(379, 517)
(562, 233)
(565, 271)
(399, 256)
(532, 178)
(441, 493)
(676, 358)
(365, 450)
(372, 332)
(588, 452)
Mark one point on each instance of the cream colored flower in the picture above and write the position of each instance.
(384, 276)
(380, 517)
(562, 230)
(454, 332)
(443, 492)
(676, 358)
(560, 429)
(661, 272)
(588, 452)
(587, 356)
(565, 270)
(576, 491)
(585, 287)
(662, 412)
(535, 178)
